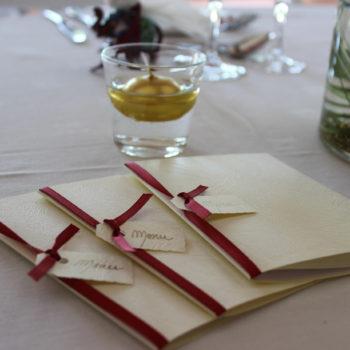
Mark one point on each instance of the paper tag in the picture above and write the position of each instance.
(148, 235)
(225, 204)
(91, 266)
(220, 204)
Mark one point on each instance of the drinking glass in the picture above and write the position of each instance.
(277, 61)
(215, 69)
(274, 58)
(153, 88)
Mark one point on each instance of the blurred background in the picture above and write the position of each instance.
(60, 3)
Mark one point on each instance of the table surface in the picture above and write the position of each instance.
(56, 127)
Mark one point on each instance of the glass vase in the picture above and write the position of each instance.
(335, 119)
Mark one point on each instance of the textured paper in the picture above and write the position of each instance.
(299, 224)
(148, 235)
(200, 264)
(220, 204)
(90, 266)
(149, 298)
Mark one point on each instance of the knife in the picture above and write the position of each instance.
(73, 33)
(246, 46)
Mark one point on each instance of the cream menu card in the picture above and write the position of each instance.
(286, 225)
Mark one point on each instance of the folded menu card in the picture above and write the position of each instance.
(195, 268)
(146, 307)
(143, 304)
(266, 218)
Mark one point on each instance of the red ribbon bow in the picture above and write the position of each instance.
(117, 235)
(52, 254)
(192, 204)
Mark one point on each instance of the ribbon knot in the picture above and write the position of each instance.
(114, 224)
(192, 204)
(52, 255)
(185, 196)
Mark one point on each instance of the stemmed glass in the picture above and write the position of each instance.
(276, 60)
(215, 69)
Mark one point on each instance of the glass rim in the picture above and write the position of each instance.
(106, 57)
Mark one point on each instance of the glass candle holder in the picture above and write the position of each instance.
(153, 89)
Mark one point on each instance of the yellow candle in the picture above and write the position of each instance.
(153, 98)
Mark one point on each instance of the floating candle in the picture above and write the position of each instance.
(153, 98)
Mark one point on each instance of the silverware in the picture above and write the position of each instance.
(246, 46)
(70, 31)
(79, 14)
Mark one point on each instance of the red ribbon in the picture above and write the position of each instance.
(112, 308)
(102, 302)
(192, 204)
(118, 236)
(210, 231)
(224, 243)
(52, 254)
(65, 203)
(148, 178)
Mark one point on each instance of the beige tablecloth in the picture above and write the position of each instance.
(55, 126)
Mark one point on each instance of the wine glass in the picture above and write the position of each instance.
(276, 60)
(215, 69)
